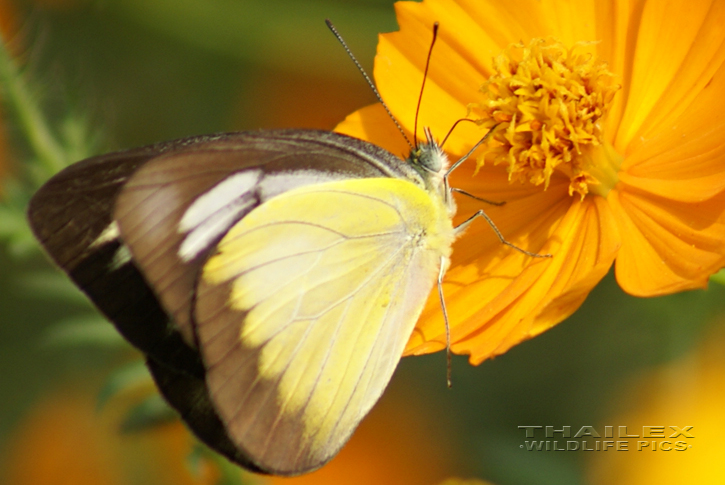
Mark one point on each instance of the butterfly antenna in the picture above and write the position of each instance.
(369, 81)
(449, 365)
(422, 87)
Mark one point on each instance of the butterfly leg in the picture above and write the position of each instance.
(468, 194)
(441, 272)
(481, 213)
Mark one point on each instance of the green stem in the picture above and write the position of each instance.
(30, 117)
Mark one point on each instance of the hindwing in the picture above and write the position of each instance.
(304, 309)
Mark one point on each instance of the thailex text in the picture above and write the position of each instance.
(615, 438)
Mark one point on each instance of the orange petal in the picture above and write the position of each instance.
(491, 182)
(470, 35)
(454, 78)
(503, 297)
(670, 199)
(695, 188)
(667, 246)
(685, 162)
(668, 71)
(616, 45)
(510, 21)
(569, 22)
(373, 124)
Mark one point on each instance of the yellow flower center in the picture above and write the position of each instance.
(549, 102)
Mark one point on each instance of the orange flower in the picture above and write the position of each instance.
(685, 399)
(64, 440)
(394, 445)
(609, 146)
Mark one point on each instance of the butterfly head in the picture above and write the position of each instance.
(429, 156)
(431, 162)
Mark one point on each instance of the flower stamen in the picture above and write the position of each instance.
(550, 102)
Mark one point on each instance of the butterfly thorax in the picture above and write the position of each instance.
(431, 162)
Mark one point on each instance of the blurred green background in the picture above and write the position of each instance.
(116, 74)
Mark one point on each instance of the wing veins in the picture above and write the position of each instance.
(310, 224)
(297, 348)
(311, 251)
(372, 347)
(295, 319)
(363, 196)
(351, 295)
(316, 380)
(362, 284)
(276, 381)
(250, 354)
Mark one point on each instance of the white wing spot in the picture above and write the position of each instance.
(222, 194)
(110, 233)
(277, 183)
(213, 213)
(121, 257)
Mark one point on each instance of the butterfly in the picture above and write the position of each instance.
(270, 278)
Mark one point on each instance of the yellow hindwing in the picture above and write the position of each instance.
(323, 286)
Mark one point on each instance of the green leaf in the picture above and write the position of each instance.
(53, 285)
(718, 277)
(25, 105)
(84, 330)
(12, 221)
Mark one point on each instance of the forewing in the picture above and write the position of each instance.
(176, 208)
(303, 312)
(75, 216)
(72, 217)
